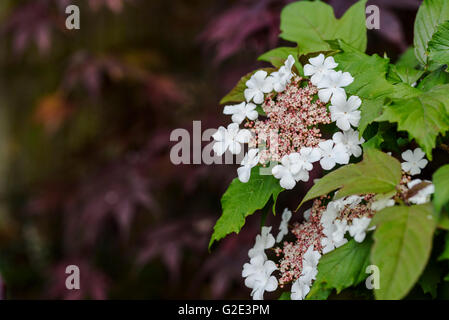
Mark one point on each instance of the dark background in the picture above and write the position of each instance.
(85, 120)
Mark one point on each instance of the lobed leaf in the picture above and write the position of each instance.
(242, 200)
(376, 173)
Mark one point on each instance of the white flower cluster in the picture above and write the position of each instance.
(335, 229)
(295, 167)
(257, 272)
(413, 163)
(301, 287)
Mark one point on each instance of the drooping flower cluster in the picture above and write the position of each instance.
(294, 110)
(328, 225)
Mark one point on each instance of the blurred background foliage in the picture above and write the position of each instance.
(85, 121)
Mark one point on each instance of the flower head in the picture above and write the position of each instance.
(332, 154)
(358, 228)
(241, 111)
(282, 77)
(264, 240)
(319, 67)
(230, 138)
(345, 112)
(283, 227)
(257, 85)
(350, 140)
(258, 276)
(250, 160)
(332, 84)
(414, 161)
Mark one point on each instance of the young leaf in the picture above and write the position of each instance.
(441, 181)
(439, 45)
(429, 16)
(311, 24)
(342, 268)
(402, 246)
(435, 78)
(236, 94)
(424, 117)
(242, 200)
(278, 56)
(377, 173)
(405, 74)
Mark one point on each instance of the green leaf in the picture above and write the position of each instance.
(430, 14)
(370, 82)
(441, 181)
(377, 173)
(311, 24)
(445, 254)
(439, 45)
(402, 246)
(285, 296)
(342, 268)
(236, 94)
(242, 200)
(436, 77)
(278, 56)
(430, 278)
(408, 59)
(405, 74)
(424, 117)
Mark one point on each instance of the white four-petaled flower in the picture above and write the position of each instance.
(358, 228)
(345, 112)
(350, 139)
(282, 77)
(319, 67)
(264, 240)
(283, 227)
(414, 161)
(250, 160)
(332, 154)
(257, 85)
(258, 276)
(332, 84)
(241, 111)
(230, 139)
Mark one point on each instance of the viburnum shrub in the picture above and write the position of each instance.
(323, 105)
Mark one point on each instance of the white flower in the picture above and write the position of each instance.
(230, 138)
(423, 195)
(350, 139)
(288, 171)
(300, 289)
(382, 204)
(306, 214)
(350, 201)
(281, 78)
(319, 67)
(309, 264)
(328, 216)
(358, 228)
(345, 112)
(250, 160)
(257, 85)
(241, 111)
(332, 83)
(341, 226)
(264, 240)
(258, 276)
(332, 154)
(414, 161)
(283, 227)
